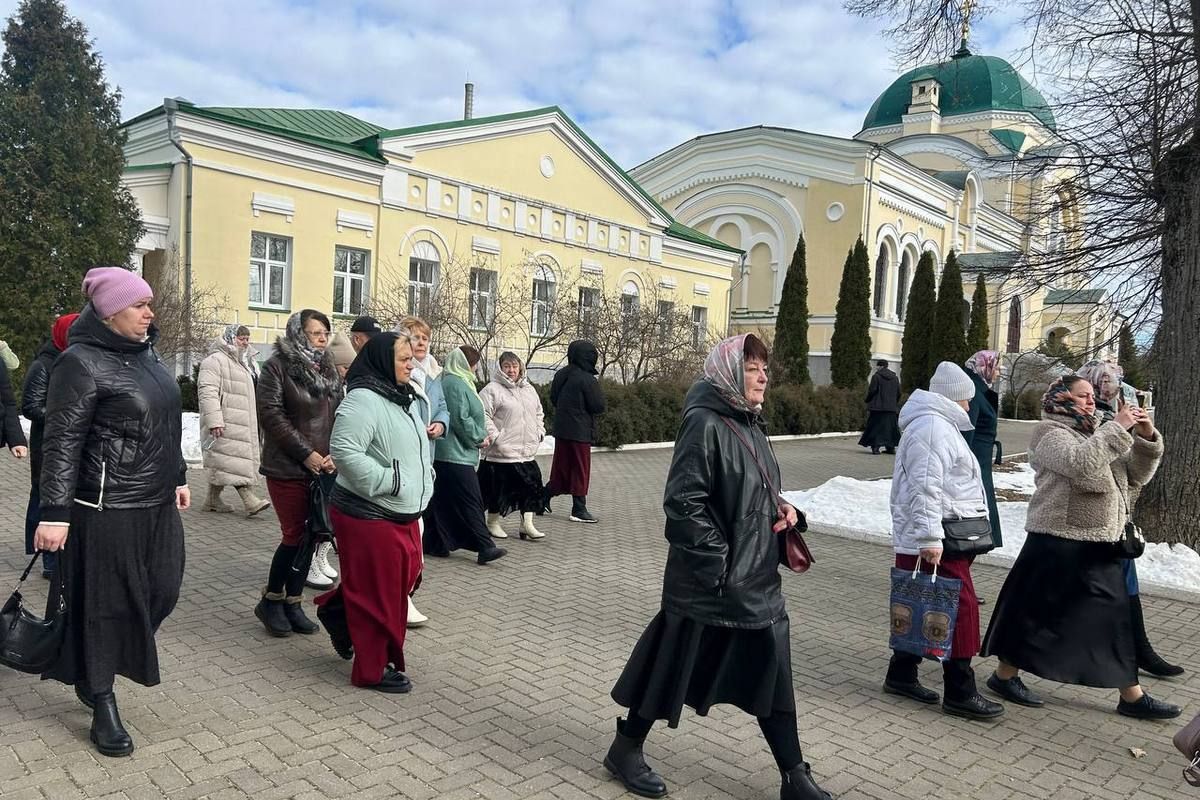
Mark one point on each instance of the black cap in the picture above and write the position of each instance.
(366, 325)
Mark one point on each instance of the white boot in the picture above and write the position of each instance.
(527, 529)
(493, 526)
(321, 559)
(415, 618)
(316, 578)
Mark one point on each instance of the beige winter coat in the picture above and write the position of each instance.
(514, 418)
(1084, 482)
(226, 392)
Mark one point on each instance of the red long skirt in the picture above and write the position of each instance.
(571, 469)
(965, 643)
(380, 562)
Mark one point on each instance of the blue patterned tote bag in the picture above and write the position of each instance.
(923, 610)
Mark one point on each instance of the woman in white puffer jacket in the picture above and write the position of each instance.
(937, 478)
(509, 478)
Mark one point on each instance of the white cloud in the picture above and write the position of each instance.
(639, 77)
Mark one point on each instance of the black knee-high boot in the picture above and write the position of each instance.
(1147, 659)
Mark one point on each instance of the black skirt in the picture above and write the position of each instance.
(883, 430)
(678, 661)
(508, 487)
(124, 569)
(457, 512)
(1063, 614)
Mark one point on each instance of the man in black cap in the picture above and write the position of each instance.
(362, 330)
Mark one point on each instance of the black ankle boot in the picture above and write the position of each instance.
(270, 612)
(1147, 659)
(799, 785)
(626, 761)
(108, 734)
(295, 616)
(333, 616)
(579, 511)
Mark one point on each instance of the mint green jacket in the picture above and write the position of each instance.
(468, 428)
(382, 452)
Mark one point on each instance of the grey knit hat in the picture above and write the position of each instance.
(950, 381)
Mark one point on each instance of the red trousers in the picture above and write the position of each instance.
(965, 643)
(290, 498)
(380, 563)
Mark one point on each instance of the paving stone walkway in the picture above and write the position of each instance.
(512, 676)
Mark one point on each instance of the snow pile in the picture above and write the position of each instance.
(857, 509)
(1020, 480)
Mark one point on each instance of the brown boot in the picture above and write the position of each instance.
(251, 501)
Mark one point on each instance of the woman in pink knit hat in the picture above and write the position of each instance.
(112, 485)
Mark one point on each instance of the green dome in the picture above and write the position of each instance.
(970, 84)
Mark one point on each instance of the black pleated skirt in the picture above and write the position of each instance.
(1063, 614)
(678, 661)
(883, 430)
(456, 510)
(124, 569)
(508, 487)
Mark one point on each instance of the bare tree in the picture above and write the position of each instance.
(1117, 195)
(187, 321)
(645, 337)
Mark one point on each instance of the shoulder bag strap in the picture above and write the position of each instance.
(762, 470)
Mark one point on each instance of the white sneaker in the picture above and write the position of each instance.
(527, 529)
(415, 618)
(316, 578)
(493, 526)
(321, 558)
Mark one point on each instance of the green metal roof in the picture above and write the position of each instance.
(1009, 139)
(955, 178)
(1058, 297)
(319, 123)
(992, 263)
(970, 83)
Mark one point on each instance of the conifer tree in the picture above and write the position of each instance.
(1128, 358)
(950, 335)
(62, 206)
(790, 359)
(916, 353)
(979, 333)
(850, 347)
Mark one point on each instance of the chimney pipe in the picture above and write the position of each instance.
(469, 101)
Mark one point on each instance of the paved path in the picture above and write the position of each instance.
(512, 677)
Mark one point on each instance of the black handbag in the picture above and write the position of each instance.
(318, 527)
(1132, 543)
(29, 643)
(967, 537)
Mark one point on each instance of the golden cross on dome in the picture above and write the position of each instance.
(967, 7)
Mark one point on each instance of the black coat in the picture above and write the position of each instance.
(984, 416)
(112, 424)
(883, 393)
(11, 434)
(576, 395)
(296, 404)
(723, 563)
(33, 403)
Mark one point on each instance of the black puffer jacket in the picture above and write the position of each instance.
(112, 434)
(576, 394)
(723, 565)
(11, 434)
(33, 403)
(296, 404)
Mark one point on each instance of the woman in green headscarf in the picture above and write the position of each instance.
(457, 505)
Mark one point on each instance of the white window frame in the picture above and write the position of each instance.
(481, 306)
(541, 317)
(264, 267)
(589, 307)
(421, 292)
(699, 326)
(348, 279)
(666, 317)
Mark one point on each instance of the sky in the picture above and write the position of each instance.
(640, 77)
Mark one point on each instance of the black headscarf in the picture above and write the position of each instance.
(375, 368)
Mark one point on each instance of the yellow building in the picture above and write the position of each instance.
(958, 155)
(283, 209)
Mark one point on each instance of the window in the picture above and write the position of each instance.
(966, 314)
(699, 326)
(881, 265)
(270, 269)
(542, 319)
(902, 287)
(630, 303)
(423, 268)
(349, 280)
(1014, 325)
(666, 318)
(482, 309)
(589, 307)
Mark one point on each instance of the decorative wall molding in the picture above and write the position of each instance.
(589, 267)
(272, 204)
(355, 220)
(701, 289)
(894, 202)
(485, 244)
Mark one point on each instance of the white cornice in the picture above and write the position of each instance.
(895, 202)
(355, 221)
(700, 252)
(281, 181)
(144, 178)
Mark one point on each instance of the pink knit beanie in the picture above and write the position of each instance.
(113, 289)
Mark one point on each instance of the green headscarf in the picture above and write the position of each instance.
(457, 365)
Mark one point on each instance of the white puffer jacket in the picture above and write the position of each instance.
(936, 477)
(225, 389)
(514, 419)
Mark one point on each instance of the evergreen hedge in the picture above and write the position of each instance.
(916, 363)
(949, 333)
(979, 332)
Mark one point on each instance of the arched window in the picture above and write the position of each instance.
(902, 286)
(881, 265)
(1014, 326)
(630, 303)
(423, 269)
(542, 318)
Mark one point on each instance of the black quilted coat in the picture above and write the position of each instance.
(112, 430)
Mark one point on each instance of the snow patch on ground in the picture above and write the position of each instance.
(860, 510)
(1020, 480)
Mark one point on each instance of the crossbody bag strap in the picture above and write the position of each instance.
(757, 462)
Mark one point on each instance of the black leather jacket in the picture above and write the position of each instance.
(576, 394)
(723, 565)
(33, 403)
(112, 435)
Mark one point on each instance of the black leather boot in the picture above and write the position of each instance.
(295, 616)
(333, 616)
(902, 679)
(799, 785)
(1147, 659)
(626, 761)
(579, 511)
(108, 734)
(270, 612)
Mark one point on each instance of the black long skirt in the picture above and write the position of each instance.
(124, 569)
(1063, 614)
(508, 487)
(457, 510)
(678, 661)
(883, 430)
